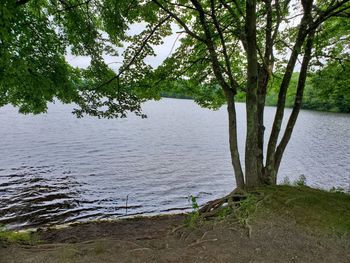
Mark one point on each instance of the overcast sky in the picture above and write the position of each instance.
(169, 45)
(162, 51)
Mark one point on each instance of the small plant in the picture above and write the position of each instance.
(224, 212)
(246, 209)
(194, 202)
(194, 217)
(301, 181)
(338, 190)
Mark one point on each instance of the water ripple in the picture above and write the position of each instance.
(56, 169)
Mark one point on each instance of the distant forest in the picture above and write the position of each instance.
(326, 90)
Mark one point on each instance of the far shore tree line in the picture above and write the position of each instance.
(226, 49)
(325, 90)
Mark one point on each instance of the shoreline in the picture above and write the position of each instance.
(288, 225)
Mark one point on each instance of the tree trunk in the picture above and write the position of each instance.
(265, 70)
(262, 91)
(232, 124)
(297, 103)
(230, 91)
(251, 147)
(270, 168)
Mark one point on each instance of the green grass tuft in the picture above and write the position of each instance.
(7, 236)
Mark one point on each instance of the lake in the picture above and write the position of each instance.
(55, 168)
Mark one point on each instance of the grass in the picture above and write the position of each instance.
(313, 208)
(7, 236)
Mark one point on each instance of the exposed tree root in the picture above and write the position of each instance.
(232, 200)
(178, 228)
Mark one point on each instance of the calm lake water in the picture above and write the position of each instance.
(55, 168)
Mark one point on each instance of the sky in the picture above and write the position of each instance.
(163, 51)
(170, 44)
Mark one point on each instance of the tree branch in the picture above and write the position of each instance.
(182, 23)
(69, 7)
(277, 123)
(239, 28)
(233, 82)
(297, 103)
(331, 11)
(21, 2)
(229, 93)
(137, 53)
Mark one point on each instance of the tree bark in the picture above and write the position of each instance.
(251, 147)
(232, 124)
(262, 91)
(265, 70)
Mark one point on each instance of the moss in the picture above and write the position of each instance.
(314, 208)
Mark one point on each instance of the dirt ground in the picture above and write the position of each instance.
(165, 239)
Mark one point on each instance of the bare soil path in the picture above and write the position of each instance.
(162, 239)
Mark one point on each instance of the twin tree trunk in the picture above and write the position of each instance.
(258, 170)
(256, 173)
(258, 74)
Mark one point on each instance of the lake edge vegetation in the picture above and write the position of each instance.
(314, 210)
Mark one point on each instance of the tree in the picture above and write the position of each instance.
(32, 65)
(226, 47)
(35, 36)
(330, 89)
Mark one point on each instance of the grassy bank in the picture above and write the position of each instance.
(308, 207)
